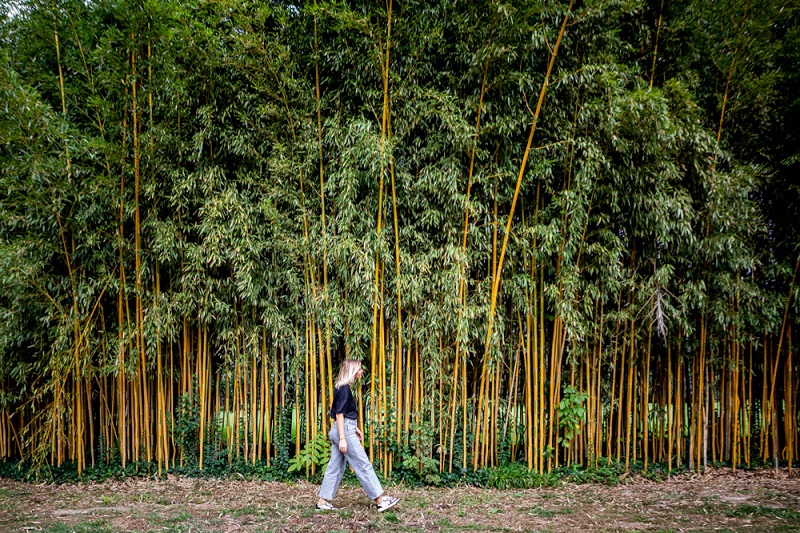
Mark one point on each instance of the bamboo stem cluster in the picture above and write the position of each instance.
(506, 316)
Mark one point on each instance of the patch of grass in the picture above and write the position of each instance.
(447, 525)
(546, 513)
(95, 526)
(182, 516)
(109, 500)
(267, 513)
(7, 502)
(416, 501)
(391, 517)
(8, 493)
(247, 510)
(749, 511)
(180, 528)
(700, 509)
(468, 501)
(345, 514)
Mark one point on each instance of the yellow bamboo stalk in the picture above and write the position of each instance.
(598, 391)
(480, 423)
(318, 96)
(253, 412)
(322, 380)
(136, 415)
(228, 418)
(266, 428)
(646, 397)
(405, 403)
(789, 429)
(4, 421)
(454, 396)
(161, 432)
(440, 413)
(262, 393)
(246, 412)
(523, 165)
(313, 420)
(773, 380)
(462, 283)
(202, 349)
(384, 400)
(542, 368)
(298, 423)
(495, 414)
(307, 371)
(531, 365)
(275, 371)
(479, 437)
(511, 418)
(80, 446)
(378, 286)
(629, 399)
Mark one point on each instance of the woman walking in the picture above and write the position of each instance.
(346, 438)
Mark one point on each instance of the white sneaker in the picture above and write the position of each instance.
(387, 502)
(326, 507)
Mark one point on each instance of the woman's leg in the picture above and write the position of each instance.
(358, 459)
(335, 469)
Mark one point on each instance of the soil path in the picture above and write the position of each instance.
(718, 501)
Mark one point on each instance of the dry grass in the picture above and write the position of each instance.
(720, 500)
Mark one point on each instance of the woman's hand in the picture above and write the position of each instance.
(359, 434)
(340, 428)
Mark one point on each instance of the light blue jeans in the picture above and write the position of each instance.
(355, 456)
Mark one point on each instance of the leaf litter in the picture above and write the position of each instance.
(721, 499)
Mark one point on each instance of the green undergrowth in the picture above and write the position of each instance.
(512, 475)
(752, 511)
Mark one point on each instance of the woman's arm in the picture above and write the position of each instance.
(340, 428)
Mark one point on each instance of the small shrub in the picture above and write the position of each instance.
(517, 476)
(317, 452)
(604, 474)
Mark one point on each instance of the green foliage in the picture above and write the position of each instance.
(283, 440)
(759, 510)
(571, 412)
(187, 424)
(94, 526)
(604, 474)
(642, 203)
(316, 452)
(517, 476)
(417, 459)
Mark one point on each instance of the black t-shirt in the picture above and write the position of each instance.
(343, 402)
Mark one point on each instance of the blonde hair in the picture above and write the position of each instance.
(347, 374)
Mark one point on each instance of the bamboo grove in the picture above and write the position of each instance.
(555, 232)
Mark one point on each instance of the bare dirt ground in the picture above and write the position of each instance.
(717, 501)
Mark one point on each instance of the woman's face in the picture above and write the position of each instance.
(359, 373)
